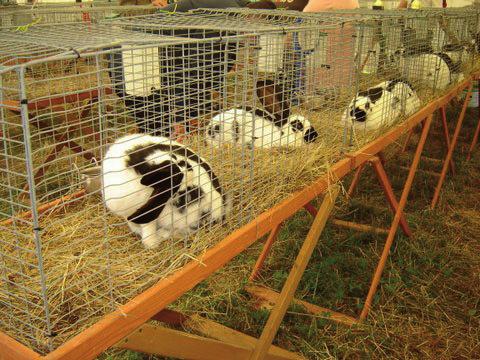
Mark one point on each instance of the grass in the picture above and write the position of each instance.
(428, 304)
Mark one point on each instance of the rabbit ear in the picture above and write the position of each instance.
(91, 172)
(272, 97)
(165, 179)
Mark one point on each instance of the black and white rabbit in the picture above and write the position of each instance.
(382, 105)
(434, 70)
(271, 125)
(162, 188)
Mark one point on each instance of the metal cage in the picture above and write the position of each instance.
(131, 146)
(22, 16)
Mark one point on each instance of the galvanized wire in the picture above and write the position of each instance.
(264, 101)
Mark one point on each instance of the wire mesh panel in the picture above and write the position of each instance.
(67, 14)
(131, 146)
(342, 69)
(68, 256)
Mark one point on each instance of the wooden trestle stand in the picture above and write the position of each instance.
(127, 327)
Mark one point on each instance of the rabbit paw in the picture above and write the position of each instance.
(151, 242)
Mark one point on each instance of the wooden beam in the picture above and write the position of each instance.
(158, 340)
(13, 350)
(474, 141)
(295, 275)
(426, 172)
(269, 297)
(453, 143)
(265, 251)
(359, 227)
(397, 218)
(217, 331)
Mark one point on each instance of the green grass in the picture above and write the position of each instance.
(428, 303)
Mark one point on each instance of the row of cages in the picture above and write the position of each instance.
(170, 131)
(21, 17)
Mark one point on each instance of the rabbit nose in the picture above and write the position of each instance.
(360, 115)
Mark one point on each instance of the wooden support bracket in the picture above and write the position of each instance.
(159, 340)
(268, 298)
(451, 148)
(291, 284)
(474, 141)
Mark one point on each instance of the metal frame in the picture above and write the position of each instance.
(123, 322)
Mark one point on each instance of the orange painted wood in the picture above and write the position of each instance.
(407, 142)
(359, 227)
(158, 340)
(427, 172)
(40, 104)
(270, 297)
(113, 327)
(388, 191)
(311, 209)
(453, 144)
(396, 220)
(355, 180)
(170, 317)
(13, 350)
(474, 141)
(293, 280)
(265, 251)
(446, 135)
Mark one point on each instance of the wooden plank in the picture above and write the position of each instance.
(453, 144)
(158, 340)
(116, 325)
(13, 350)
(219, 332)
(388, 191)
(265, 251)
(446, 135)
(474, 141)
(359, 227)
(269, 297)
(288, 291)
(426, 172)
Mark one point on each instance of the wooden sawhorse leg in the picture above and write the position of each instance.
(377, 163)
(270, 297)
(446, 137)
(474, 140)
(214, 342)
(288, 291)
(396, 220)
(453, 144)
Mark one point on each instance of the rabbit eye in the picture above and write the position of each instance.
(367, 106)
(296, 125)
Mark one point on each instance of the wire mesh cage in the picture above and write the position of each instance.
(131, 146)
(67, 254)
(417, 54)
(120, 137)
(22, 16)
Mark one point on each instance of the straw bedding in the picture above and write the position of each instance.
(93, 263)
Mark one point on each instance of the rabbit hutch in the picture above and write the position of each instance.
(216, 127)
